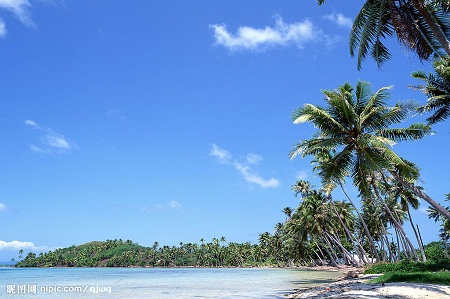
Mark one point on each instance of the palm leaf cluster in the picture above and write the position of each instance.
(437, 88)
(355, 125)
(420, 26)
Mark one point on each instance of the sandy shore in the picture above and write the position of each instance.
(358, 288)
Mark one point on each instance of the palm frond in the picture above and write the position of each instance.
(370, 25)
(414, 132)
(319, 117)
(314, 146)
(337, 167)
(363, 95)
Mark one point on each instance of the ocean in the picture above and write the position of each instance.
(150, 283)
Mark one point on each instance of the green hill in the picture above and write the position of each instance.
(111, 253)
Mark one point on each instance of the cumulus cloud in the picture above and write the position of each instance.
(340, 20)
(3, 207)
(223, 156)
(20, 9)
(282, 34)
(51, 141)
(17, 245)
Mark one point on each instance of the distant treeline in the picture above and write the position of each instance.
(120, 253)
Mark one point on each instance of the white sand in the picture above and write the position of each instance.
(358, 289)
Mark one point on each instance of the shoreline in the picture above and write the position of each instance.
(359, 288)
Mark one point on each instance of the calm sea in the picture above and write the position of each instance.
(130, 283)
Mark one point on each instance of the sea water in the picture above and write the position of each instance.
(150, 283)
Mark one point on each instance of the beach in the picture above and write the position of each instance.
(359, 288)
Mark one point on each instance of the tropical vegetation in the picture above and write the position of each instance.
(120, 253)
(442, 277)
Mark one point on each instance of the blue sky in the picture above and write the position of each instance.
(169, 121)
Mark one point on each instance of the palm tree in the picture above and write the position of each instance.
(437, 88)
(406, 200)
(421, 26)
(288, 212)
(445, 225)
(321, 159)
(356, 125)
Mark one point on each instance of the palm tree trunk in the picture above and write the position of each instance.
(444, 212)
(366, 229)
(362, 259)
(424, 258)
(344, 251)
(333, 261)
(385, 240)
(318, 256)
(431, 22)
(394, 220)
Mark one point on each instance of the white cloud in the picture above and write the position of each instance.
(20, 9)
(249, 175)
(340, 20)
(51, 142)
(222, 155)
(282, 34)
(2, 28)
(253, 158)
(253, 177)
(31, 123)
(174, 204)
(3, 207)
(301, 175)
(17, 245)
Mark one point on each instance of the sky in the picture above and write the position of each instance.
(170, 121)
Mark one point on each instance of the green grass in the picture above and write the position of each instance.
(408, 267)
(442, 278)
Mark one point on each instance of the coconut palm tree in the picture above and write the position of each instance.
(437, 88)
(407, 200)
(321, 159)
(288, 212)
(420, 26)
(356, 124)
(445, 225)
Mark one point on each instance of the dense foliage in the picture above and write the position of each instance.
(438, 259)
(433, 278)
(119, 253)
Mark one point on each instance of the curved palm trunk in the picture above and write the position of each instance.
(419, 193)
(422, 251)
(331, 253)
(361, 255)
(394, 220)
(344, 251)
(366, 229)
(437, 31)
